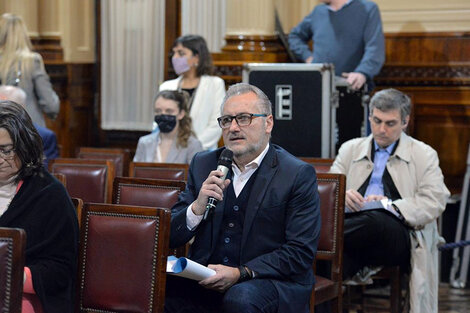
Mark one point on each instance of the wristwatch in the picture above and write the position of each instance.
(245, 274)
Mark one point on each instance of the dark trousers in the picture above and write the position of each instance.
(373, 238)
(187, 296)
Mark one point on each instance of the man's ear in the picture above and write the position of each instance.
(269, 124)
(405, 122)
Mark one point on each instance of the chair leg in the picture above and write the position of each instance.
(395, 294)
(337, 304)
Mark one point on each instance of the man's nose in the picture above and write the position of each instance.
(382, 128)
(234, 125)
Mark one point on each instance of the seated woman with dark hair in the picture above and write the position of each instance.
(175, 141)
(30, 198)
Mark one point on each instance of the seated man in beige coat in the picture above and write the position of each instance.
(395, 192)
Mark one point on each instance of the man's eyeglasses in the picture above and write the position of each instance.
(242, 119)
(7, 154)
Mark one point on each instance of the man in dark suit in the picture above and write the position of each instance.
(48, 137)
(262, 236)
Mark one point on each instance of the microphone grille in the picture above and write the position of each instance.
(225, 158)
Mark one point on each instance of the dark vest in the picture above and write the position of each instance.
(227, 249)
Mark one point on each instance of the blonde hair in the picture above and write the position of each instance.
(16, 54)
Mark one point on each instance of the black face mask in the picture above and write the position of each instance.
(166, 123)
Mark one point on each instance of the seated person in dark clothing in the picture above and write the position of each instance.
(262, 236)
(31, 199)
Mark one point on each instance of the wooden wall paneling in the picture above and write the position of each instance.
(74, 86)
(172, 31)
(442, 120)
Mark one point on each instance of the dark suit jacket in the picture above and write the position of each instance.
(281, 228)
(49, 142)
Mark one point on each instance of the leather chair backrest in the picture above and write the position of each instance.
(122, 265)
(320, 165)
(168, 171)
(89, 180)
(331, 188)
(12, 250)
(120, 157)
(146, 191)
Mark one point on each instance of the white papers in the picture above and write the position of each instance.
(186, 268)
(374, 205)
(371, 205)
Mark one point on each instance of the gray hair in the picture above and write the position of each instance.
(243, 88)
(391, 99)
(13, 93)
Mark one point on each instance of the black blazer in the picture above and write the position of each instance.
(281, 228)
(43, 209)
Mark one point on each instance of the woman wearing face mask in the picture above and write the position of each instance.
(193, 63)
(175, 142)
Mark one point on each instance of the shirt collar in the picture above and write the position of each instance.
(389, 149)
(253, 164)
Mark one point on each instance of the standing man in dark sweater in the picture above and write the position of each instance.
(347, 33)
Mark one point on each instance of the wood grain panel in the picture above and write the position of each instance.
(74, 86)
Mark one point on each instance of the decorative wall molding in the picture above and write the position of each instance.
(424, 75)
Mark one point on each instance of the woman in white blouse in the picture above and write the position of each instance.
(193, 63)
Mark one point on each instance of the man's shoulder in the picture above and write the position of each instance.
(208, 155)
(287, 161)
(417, 145)
(356, 142)
(368, 4)
(44, 132)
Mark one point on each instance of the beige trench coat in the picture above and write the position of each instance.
(414, 168)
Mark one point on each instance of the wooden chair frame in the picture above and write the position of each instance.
(321, 165)
(14, 242)
(103, 153)
(134, 166)
(330, 289)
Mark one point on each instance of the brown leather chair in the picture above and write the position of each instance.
(320, 165)
(120, 157)
(332, 188)
(122, 261)
(169, 171)
(12, 253)
(60, 177)
(89, 180)
(149, 192)
(146, 191)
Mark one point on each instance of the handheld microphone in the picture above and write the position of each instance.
(224, 164)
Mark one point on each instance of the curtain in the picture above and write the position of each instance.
(132, 62)
(205, 18)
